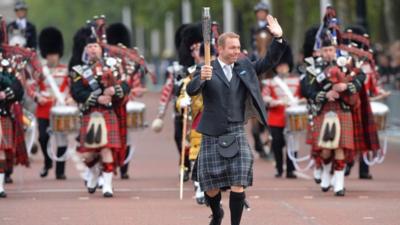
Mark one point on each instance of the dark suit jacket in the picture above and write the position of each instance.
(30, 33)
(214, 121)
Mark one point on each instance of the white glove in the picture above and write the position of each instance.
(186, 101)
(157, 125)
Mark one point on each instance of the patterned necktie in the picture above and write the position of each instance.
(228, 72)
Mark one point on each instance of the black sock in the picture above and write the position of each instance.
(236, 203)
(215, 204)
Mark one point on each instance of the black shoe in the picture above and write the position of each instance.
(8, 180)
(340, 193)
(124, 176)
(91, 190)
(186, 176)
(107, 195)
(217, 220)
(3, 195)
(365, 176)
(291, 175)
(278, 174)
(44, 172)
(317, 181)
(325, 189)
(347, 170)
(61, 177)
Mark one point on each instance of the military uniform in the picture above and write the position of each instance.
(12, 135)
(100, 130)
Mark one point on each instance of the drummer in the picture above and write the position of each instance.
(277, 99)
(51, 48)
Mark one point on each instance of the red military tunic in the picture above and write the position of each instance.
(60, 75)
(276, 114)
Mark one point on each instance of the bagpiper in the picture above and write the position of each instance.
(12, 143)
(340, 109)
(100, 88)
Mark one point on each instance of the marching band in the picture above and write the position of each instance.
(89, 106)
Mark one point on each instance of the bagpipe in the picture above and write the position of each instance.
(25, 64)
(129, 59)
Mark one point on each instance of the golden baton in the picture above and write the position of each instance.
(207, 35)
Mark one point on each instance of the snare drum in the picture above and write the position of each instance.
(296, 118)
(135, 118)
(380, 112)
(64, 118)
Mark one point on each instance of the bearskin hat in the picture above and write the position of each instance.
(309, 41)
(79, 42)
(359, 31)
(51, 42)
(287, 57)
(178, 36)
(190, 35)
(118, 33)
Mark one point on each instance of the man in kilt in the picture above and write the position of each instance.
(99, 97)
(11, 130)
(341, 112)
(231, 95)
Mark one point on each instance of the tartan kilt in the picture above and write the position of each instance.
(309, 135)
(346, 141)
(213, 171)
(113, 132)
(7, 131)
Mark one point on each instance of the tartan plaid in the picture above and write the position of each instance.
(21, 154)
(7, 138)
(365, 132)
(113, 132)
(213, 171)
(346, 126)
(120, 111)
(13, 141)
(309, 134)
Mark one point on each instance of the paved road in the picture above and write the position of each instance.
(150, 197)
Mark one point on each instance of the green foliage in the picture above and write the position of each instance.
(69, 15)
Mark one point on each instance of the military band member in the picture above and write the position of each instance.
(51, 45)
(99, 88)
(357, 42)
(277, 100)
(118, 33)
(11, 143)
(341, 112)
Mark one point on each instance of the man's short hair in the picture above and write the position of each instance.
(222, 38)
